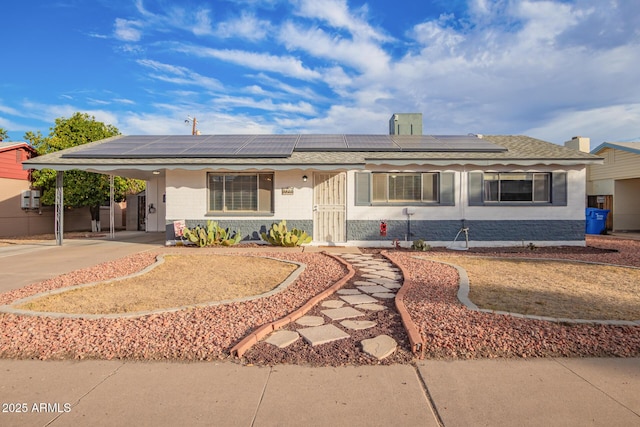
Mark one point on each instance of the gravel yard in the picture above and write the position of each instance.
(451, 331)
(205, 333)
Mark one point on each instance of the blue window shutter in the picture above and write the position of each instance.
(363, 188)
(475, 188)
(559, 189)
(447, 188)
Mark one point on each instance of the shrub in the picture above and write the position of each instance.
(420, 245)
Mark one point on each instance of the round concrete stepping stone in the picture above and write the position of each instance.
(379, 347)
(282, 339)
(333, 303)
(373, 289)
(322, 334)
(310, 321)
(358, 299)
(358, 325)
(342, 313)
(371, 307)
(384, 295)
(348, 292)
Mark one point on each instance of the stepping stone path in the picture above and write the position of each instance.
(348, 308)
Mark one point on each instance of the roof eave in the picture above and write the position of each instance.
(614, 146)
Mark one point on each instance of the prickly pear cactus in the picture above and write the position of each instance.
(278, 235)
(211, 235)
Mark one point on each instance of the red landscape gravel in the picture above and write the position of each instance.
(450, 330)
(194, 334)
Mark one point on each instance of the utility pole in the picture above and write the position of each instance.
(194, 121)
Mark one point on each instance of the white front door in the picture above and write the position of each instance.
(329, 209)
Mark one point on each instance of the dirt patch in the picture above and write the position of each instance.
(552, 288)
(181, 280)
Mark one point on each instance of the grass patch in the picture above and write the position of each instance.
(181, 280)
(552, 288)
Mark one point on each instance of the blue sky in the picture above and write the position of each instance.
(547, 69)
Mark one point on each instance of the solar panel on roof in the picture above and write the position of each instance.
(321, 143)
(268, 146)
(164, 146)
(370, 143)
(415, 142)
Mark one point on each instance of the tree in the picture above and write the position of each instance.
(81, 188)
(3, 134)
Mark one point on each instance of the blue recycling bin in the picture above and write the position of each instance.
(596, 220)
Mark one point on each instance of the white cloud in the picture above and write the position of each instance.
(228, 102)
(614, 123)
(128, 30)
(364, 56)
(124, 101)
(179, 75)
(288, 89)
(285, 65)
(202, 23)
(337, 14)
(247, 27)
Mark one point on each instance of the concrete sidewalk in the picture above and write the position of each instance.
(549, 392)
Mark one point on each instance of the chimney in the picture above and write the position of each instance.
(579, 143)
(405, 124)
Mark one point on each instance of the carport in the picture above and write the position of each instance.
(153, 174)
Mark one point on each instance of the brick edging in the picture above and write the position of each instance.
(246, 343)
(415, 337)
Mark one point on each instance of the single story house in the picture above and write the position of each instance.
(365, 190)
(615, 184)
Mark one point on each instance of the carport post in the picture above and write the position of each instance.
(59, 209)
(112, 234)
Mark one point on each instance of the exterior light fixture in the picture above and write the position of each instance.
(304, 178)
(152, 209)
(156, 172)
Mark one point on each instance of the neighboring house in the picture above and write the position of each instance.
(20, 211)
(506, 190)
(615, 184)
(16, 199)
